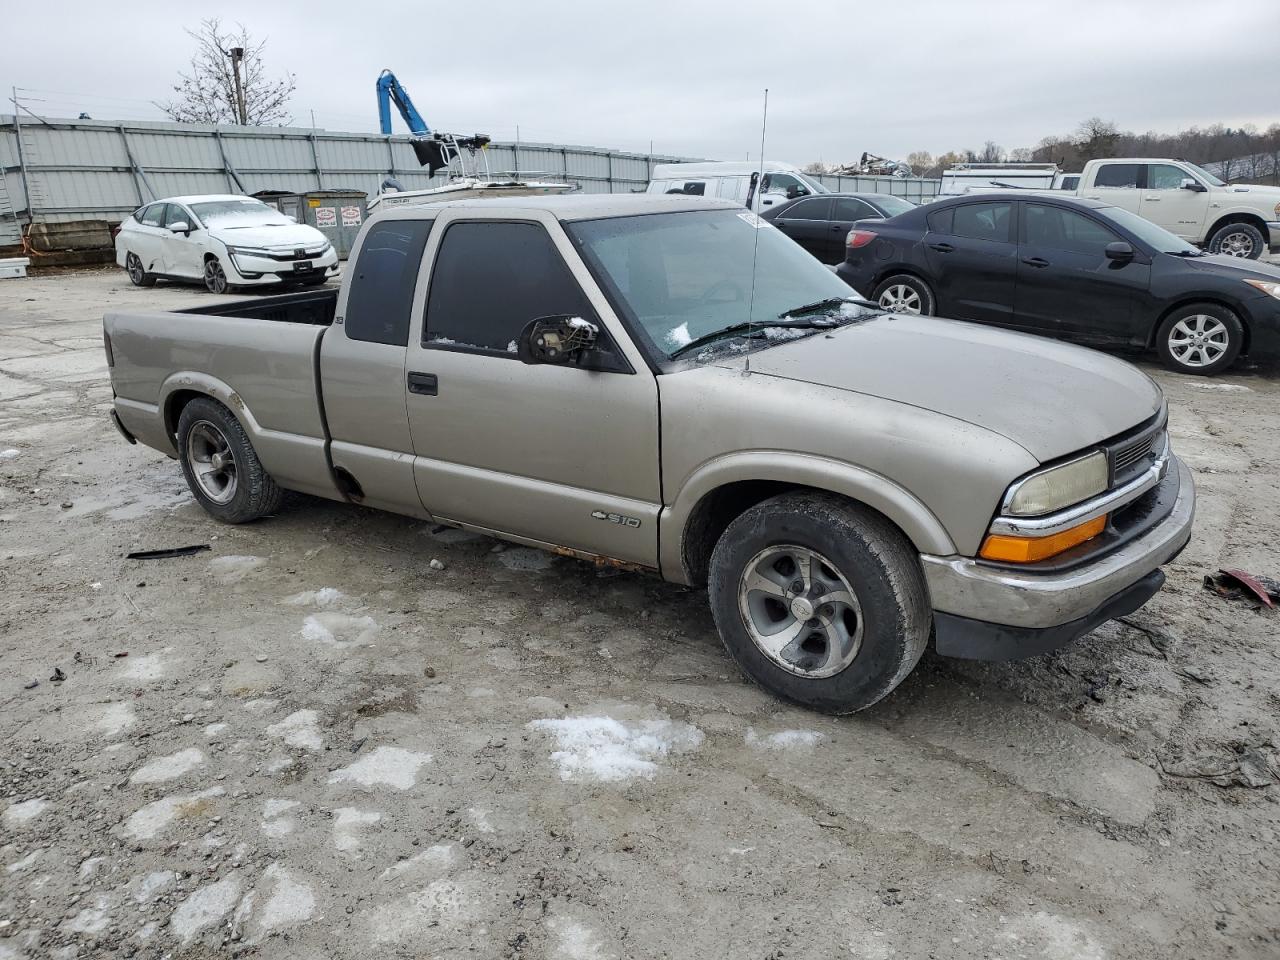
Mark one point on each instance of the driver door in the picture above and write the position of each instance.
(779, 188)
(1167, 203)
(559, 455)
(183, 253)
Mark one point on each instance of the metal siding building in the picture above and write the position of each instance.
(90, 169)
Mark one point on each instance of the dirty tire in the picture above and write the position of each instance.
(1217, 321)
(138, 275)
(1242, 240)
(873, 558)
(903, 293)
(255, 494)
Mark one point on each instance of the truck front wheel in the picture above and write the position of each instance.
(220, 465)
(819, 601)
(1238, 240)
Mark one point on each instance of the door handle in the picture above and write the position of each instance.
(426, 384)
(1150, 199)
(1035, 261)
(941, 247)
(838, 227)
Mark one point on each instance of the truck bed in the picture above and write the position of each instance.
(314, 307)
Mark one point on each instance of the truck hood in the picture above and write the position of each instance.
(286, 236)
(1051, 398)
(1253, 190)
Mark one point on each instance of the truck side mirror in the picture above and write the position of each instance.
(1119, 251)
(1195, 186)
(555, 339)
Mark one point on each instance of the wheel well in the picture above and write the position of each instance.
(1250, 218)
(884, 275)
(209, 256)
(174, 406)
(1191, 301)
(719, 508)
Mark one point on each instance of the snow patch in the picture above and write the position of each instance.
(383, 767)
(145, 668)
(443, 904)
(784, 739)
(1053, 938)
(299, 730)
(338, 629)
(432, 862)
(234, 568)
(480, 819)
(22, 864)
(288, 903)
(205, 907)
(93, 919)
(1225, 387)
(114, 718)
(679, 337)
(574, 940)
(89, 867)
(169, 768)
(9, 453)
(274, 821)
(147, 822)
(348, 825)
(215, 730)
(27, 810)
(324, 597)
(605, 749)
(147, 888)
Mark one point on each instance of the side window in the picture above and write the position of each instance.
(851, 208)
(784, 183)
(1123, 175)
(982, 221)
(380, 298)
(175, 214)
(940, 220)
(491, 279)
(732, 188)
(1066, 230)
(154, 215)
(691, 188)
(815, 208)
(1165, 176)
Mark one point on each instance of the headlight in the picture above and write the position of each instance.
(247, 251)
(1266, 286)
(1058, 487)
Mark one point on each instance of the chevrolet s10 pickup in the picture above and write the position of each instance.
(672, 385)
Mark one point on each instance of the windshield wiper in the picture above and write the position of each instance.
(817, 323)
(1186, 253)
(829, 304)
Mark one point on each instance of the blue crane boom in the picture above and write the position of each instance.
(390, 91)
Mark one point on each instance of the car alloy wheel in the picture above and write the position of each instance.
(900, 298)
(799, 611)
(1198, 340)
(214, 277)
(1236, 244)
(212, 463)
(134, 268)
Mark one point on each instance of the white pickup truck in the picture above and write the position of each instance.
(1238, 220)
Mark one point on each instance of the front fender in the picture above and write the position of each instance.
(907, 511)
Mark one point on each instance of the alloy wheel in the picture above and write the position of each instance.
(800, 611)
(212, 463)
(214, 277)
(1236, 245)
(1198, 340)
(900, 298)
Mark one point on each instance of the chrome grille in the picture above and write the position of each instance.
(1134, 452)
(1131, 457)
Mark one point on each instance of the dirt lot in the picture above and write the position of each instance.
(318, 745)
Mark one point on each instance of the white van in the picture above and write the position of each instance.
(736, 180)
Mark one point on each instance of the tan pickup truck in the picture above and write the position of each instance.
(672, 385)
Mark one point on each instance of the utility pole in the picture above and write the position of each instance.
(237, 55)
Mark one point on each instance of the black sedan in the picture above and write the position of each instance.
(820, 224)
(1076, 269)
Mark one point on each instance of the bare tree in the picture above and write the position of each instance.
(921, 163)
(1020, 155)
(1097, 138)
(992, 152)
(817, 167)
(228, 82)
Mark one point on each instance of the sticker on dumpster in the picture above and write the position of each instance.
(351, 216)
(313, 202)
(326, 217)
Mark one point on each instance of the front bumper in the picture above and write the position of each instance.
(989, 612)
(252, 269)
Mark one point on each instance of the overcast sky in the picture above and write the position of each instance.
(887, 76)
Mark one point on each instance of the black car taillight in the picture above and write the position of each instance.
(859, 238)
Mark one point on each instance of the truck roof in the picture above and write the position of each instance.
(582, 206)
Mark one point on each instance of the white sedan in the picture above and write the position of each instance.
(222, 241)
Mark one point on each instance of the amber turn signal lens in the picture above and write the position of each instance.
(1008, 549)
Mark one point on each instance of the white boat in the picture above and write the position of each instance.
(445, 152)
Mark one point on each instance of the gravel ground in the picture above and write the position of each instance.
(308, 741)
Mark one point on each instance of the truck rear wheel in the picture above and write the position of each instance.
(220, 465)
(1238, 240)
(819, 601)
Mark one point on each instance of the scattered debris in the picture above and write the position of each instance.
(429, 672)
(1250, 765)
(58, 675)
(436, 564)
(67, 504)
(1233, 584)
(120, 654)
(31, 686)
(167, 553)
